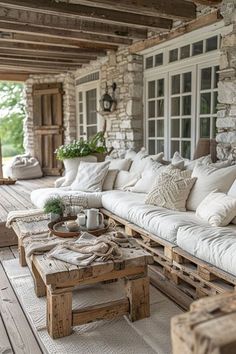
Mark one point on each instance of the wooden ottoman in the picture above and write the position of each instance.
(57, 279)
(209, 327)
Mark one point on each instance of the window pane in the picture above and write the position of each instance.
(175, 128)
(174, 147)
(160, 88)
(91, 106)
(81, 119)
(215, 102)
(175, 107)
(151, 89)
(205, 124)
(80, 96)
(198, 48)
(91, 131)
(216, 76)
(211, 43)
(173, 55)
(206, 79)
(151, 128)
(160, 146)
(186, 149)
(186, 108)
(151, 109)
(81, 130)
(160, 127)
(175, 84)
(185, 52)
(214, 129)
(149, 62)
(160, 108)
(159, 59)
(205, 104)
(151, 147)
(186, 128)
(187, 82)
(81, 107)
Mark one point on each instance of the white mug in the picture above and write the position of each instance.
(81, 219)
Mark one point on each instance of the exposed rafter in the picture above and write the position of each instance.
(89, 12)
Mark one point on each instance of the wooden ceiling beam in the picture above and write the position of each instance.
(11, 76)
(43, 48)
(69, 36)
(31, 70)
(89, 12)
(31, 63)
(53, 41)
(47, 55)
(207, 2)
(73, 24)
(43, 60)
(174, 9)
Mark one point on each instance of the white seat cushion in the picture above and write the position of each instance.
(40, 196)
(159, 221)
(215, 245)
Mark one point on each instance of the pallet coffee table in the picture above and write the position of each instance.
(57, 279)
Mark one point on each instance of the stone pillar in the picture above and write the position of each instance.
(226, 115)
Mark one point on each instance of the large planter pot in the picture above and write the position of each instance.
(100, 156)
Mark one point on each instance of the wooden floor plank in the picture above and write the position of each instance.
(5, 345)
(6, 254)
(20, 334)
(15, 252)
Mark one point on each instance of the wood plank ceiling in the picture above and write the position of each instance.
(54, 36)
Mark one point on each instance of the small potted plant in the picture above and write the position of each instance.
(55, 207)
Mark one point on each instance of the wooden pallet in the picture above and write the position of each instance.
(182, 272)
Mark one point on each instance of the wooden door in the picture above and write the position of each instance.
(48, 125)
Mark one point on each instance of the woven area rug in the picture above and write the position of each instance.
(118, 336)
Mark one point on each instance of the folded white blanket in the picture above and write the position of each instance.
(23, 215)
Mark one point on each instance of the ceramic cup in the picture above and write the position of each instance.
(72, 225)
(81, 219)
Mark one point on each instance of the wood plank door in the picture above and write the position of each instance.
(48, 125)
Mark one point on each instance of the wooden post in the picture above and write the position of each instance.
(1, 173)
(137, 291)
(59, 313)
(39, 286)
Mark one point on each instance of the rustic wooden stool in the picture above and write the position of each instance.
(209, 327)
(57, 279)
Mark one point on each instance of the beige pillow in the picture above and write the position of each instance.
(109, 181)
(208, 180)
(120, 164)
(125, 180)
(218, 209)
(171, 189)
(90, 176)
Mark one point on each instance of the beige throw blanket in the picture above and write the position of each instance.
(25, 215)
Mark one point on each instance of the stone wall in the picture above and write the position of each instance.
(68, 107)
(226, 115)
(125, 124)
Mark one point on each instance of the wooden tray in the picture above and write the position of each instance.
(59, 229)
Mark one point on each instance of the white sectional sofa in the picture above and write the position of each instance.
(209, 246)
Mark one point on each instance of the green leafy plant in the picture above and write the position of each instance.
(79, 148)
(54, 205)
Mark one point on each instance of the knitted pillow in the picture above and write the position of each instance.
(171, 189)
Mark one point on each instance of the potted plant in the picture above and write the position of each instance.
(55, 207)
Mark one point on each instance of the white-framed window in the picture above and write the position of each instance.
(185, 109)
(87, 107)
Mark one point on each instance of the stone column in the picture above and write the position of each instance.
(226, 115)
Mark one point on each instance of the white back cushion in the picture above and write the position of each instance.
(71, 168)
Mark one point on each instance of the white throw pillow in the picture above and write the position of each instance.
(120, 164)
(130, 154)
(232, 193)
(180, 162)
(109, 180)
(125, 180)
(148, 177)
(171, 189)
(218, 209)
(90, 176)
(71, 168)
(58, 183)
(208, 180)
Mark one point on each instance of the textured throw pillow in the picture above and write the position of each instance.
(90, 176)
(109, 180)
(71, 168)
(208, 180)
(171, 189)
(148, 177)
(125, 180)
(182, 163)
(218, 209)
(120, 164)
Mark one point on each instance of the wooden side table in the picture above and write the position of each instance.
(57, 279)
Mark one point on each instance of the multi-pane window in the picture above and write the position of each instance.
(91, 112)
(208, 92)
(181, 113)
(156, 115)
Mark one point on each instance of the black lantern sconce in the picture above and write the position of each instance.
(108, 102)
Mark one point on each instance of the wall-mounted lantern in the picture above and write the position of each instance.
(108, 102)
